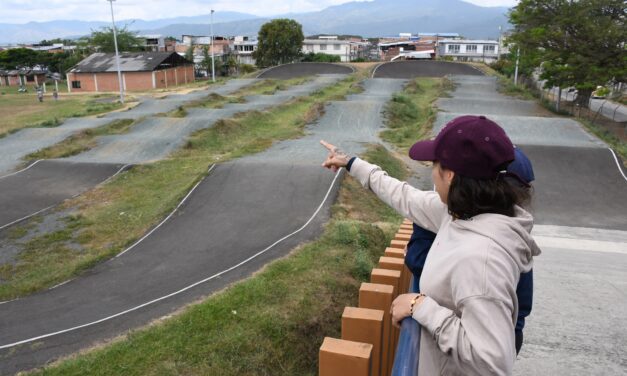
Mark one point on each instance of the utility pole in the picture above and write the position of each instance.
(498, 56)
(213, 62)
(516, 71)
(117, 55)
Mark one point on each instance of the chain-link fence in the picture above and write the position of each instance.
(600, 112)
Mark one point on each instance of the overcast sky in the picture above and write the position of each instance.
(22, 11)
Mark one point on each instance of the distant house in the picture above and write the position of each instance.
(486, 51)
(154, 43)
(331, 45)
(221, 44)
(22, 77)
(243, 48)
(140, 71)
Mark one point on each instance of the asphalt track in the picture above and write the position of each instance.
(409, 69)
(295, 70)
(238, 211)
(45, 184)
(156, 137)
(580, 200)
(15, 147)
(244, 214)
(50, 182)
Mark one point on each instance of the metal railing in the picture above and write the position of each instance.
(408, 348)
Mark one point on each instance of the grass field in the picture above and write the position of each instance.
(24, 110)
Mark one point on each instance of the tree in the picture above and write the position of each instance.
(280, 42)
(577, 43)
(15, 58)
(127, 40)
(189, 54)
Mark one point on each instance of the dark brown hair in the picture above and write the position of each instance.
(468, 197)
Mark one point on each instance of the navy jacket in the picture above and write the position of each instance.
(418, 248)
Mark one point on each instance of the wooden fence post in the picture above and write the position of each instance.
(366, 326)
(339, 358)
(377, 296)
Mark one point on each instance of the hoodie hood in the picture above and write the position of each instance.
(513, 234)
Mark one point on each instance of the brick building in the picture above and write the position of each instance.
(22, 77)
(140, 71)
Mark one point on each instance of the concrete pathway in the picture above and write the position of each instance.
(580, 205)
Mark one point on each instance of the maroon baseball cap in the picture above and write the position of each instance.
(471, 146)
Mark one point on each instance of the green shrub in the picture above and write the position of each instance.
(246, 68)
(321, 58)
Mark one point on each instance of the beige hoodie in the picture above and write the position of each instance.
(469, 278)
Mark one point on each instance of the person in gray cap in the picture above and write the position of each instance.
(467, 306)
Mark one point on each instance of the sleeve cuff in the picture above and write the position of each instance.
(431, 315)
(350, 163)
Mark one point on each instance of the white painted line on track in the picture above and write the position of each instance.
(185, 288)
(617, 163)
(26, 217)
(52, 206)
(168, 217)
(22, 170)
(123, 168)
(375, 68)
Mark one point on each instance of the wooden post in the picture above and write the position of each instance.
(394, 263)
(401, 244)
(408, 232)
(387, 277)
(340, 358)
(366, 326)
(402, 237)
(377, 296)
(394, 252)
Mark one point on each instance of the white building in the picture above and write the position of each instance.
(330, 45)
(486, 51)
(243, 48)
(153, 42)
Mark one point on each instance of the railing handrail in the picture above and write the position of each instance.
(408, 348)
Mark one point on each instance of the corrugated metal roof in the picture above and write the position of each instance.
(129, 62)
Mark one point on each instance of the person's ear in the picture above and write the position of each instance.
(448, 176)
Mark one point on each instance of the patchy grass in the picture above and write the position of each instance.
(81, 141)
(23, 110)
(272, 323)
(410, 114)
(608, 137)
(215, 100)
(109, 218)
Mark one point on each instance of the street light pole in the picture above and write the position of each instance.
(117, 55)
(516, 70)
(213, 62)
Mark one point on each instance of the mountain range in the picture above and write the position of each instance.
(368, 19)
